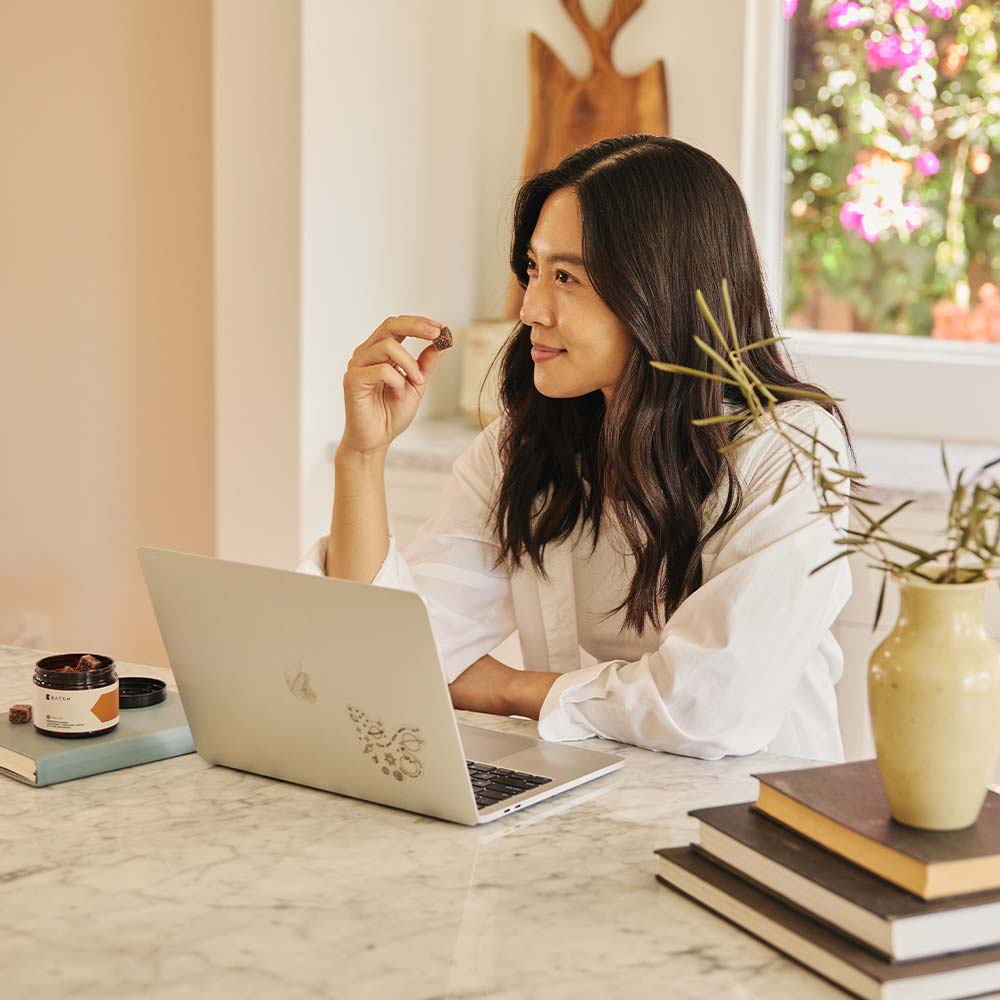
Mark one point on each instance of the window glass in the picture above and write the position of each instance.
(892, 190)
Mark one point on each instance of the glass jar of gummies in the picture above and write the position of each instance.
(75, 695)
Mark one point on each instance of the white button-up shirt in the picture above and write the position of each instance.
(747, 662)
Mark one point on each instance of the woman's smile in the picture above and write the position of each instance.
(540, 354)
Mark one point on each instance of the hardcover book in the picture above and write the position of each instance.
(853, 901)
(142, 735)
(837, 958)
(843, 808)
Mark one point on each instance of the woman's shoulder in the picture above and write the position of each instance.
(798, 421)
(807, 414)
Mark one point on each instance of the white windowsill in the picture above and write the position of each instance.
(888, 347)
(918, 389)
(896, 468)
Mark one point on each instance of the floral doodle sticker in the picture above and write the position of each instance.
(395, 754)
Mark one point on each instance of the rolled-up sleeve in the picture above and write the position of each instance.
(734, 653)
(449, 563)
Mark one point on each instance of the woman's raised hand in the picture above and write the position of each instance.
(384, 383)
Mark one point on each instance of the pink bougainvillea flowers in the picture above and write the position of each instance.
(899, 51)
(935, 8)
(845, 14)
(943, 8)
(877, 205)
(927, 163)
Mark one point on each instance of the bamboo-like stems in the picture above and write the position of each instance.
(973, 519)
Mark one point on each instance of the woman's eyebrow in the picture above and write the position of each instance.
(563, 257)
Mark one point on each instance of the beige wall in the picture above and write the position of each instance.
(256, 88)
(105, 313)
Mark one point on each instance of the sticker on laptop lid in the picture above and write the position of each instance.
(396, 754)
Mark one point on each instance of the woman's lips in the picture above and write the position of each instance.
(539, 354)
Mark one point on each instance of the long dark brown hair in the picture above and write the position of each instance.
(660, 220)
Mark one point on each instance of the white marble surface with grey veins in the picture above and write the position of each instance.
(184, 880)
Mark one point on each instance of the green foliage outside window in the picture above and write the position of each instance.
(892, 131)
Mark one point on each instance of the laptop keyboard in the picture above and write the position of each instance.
(494, 784)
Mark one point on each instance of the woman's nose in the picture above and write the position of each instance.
(535, 311)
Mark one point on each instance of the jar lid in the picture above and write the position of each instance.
(140, 692)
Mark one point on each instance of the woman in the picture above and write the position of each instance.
(592, 515)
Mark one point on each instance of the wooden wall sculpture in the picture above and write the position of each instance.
(568, 113)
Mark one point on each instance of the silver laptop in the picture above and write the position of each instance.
(337, 685)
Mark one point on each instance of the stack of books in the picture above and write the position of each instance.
(818, 869)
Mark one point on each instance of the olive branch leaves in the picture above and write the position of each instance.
(971, 549)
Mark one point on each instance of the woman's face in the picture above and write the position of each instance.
(565, 312)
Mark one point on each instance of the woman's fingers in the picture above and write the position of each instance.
(428, 359)
(391, 351)
(401, 327)
(366, 376)
(384, 383)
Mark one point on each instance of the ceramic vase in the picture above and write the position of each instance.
(934, 698)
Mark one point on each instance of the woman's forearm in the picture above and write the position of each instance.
(492, 687)
(359, 528)
(527, 691)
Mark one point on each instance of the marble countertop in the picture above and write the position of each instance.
(180, 879)
(896, 468)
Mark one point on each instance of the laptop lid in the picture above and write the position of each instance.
(322, 682)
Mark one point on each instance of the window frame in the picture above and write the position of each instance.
(886, 383)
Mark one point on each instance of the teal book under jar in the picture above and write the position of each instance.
(141, 736)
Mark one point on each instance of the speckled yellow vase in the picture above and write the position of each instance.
(934, 697)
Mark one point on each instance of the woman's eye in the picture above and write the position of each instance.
(530, 266)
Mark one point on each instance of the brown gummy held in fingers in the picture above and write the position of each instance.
(444, 340)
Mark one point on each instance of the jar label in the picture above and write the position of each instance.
(91, 710)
